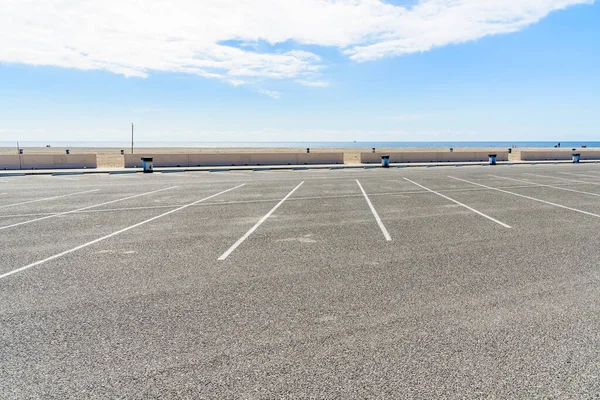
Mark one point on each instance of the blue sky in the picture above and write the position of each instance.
(311, 70)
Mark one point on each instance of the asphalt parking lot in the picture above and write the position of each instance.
(447, 282)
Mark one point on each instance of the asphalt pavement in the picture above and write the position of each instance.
(445, 282)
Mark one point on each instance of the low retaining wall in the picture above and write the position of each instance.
(588, 154)
(48, 161)
(234, 159)
(10, 162)
(160, 160)
(433, 156)
(558, 155)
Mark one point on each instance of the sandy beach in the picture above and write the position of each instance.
(112, 158)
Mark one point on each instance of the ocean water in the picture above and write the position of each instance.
(126, 145)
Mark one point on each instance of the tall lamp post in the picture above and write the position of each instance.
(132, 138)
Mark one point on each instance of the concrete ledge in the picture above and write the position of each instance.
(433, 156)
(47, 161)
(10, 162)
(287, 167)
(160, 160)
(55, 161)
(234, 159)
(558, 154)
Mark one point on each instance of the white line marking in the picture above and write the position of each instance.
(385, 232)
(48, 198)
(263, 219)
(462, 205)
(528, 197)
(3, 181)
(222, 203)
(589, 176)
(112, 234)
(25, 215)
(564, 179)
(549, 186)
(84, 208)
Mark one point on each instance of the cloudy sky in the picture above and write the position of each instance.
(293, 70)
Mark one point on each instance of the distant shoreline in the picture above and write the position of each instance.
(296, 145)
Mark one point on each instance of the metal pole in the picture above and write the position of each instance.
(132, 138)
(19, 153)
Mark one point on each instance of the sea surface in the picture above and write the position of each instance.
(126, 145)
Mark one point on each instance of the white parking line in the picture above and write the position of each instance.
(527, 197)
(113, 234)
(259, 223)
(84, 208)
(564, 179)
(48, 198)
(461, 204)
(588, 176)
(385, 232)
(256, 201)
(549, 186)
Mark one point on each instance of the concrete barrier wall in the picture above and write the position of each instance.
(234, 159)
(543, 155)
(238, 159)
(320, 158)
(217, 160)
(9, 162)
(557, 155)
(589, 154)
(57, 161)
(160, 160)
(433, 156)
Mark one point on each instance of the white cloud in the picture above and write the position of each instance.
(271, 93)
(134, 38)
(307, 82)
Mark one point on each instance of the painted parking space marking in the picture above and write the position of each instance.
(527, 197)
(461, 204)
(48, 198)
(564, 179)
(385, 232)
(584, 175)
(257, 201)
(84, 208)
(549, 186)
(255, 227)
(45, 260)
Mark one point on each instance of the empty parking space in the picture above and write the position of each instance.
(262, 284)
(306, 232)
(568, 199)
